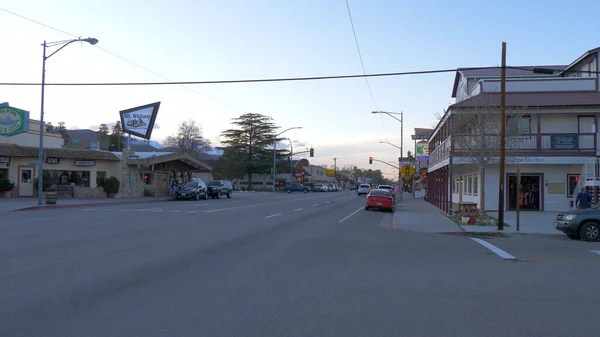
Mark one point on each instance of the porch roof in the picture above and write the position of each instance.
(152, 158)
(546, 99)
(14, 150)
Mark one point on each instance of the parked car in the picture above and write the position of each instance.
(217, 188)
(195, 189)
(320, 188)
(296, 188)
(380, 199)
(580, 223)
(363, 189)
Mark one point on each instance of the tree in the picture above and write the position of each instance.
(476, 137)
(230, 166)
(116, 138)
(103, 130)
(254, 134)
(188, 138)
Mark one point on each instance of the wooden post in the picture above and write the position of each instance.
(518, 197)
(501, 183)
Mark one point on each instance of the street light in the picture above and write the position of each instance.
(62, 44)
(394, 145)
(401, 120)
(291, 161)
(275, 149)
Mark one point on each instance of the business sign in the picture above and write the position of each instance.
(13, 121)
(564, 141)
(422, 150)
(52, 160)
(139, 121)
(420, 137)
(330, 172)
(85, 163)
(4, 160)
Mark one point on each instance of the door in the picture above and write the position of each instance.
(26, 182)
(529, 195)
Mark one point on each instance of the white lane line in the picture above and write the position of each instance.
(88, 209)
(176, 211)
(201, 204)
(297, 209)
(328, 202)
(597, 252)
(191, 211)
(494, 249)
(273, 215)
(315, 205)
(351, 214)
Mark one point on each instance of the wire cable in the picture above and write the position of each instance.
(259, 80)
(122, 59)
(362, 64)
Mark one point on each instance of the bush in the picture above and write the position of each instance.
(6, 185)
(112, 185)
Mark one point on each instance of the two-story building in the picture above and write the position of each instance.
(551, 134)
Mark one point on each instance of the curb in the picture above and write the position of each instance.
(47, 207)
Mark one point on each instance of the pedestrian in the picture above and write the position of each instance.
(584, 200)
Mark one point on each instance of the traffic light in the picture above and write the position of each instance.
(312, 152)
(370, 160)
(407, 171)
(302, 174)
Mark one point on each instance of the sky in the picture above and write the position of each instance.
(206, 40)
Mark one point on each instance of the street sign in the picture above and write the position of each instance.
(33, 163)
(407, 171)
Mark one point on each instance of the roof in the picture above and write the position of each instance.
(533, 99)
(423, 131)
(13, 150)
(513, 71)
(151, 158)
(579, 59)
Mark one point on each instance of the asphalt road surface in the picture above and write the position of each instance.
(295, 264)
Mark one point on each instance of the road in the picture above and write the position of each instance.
(269, 264)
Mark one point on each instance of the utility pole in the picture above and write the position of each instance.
(401, 149)
(501, 194)
(334, 167)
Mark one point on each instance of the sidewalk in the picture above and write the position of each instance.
(23, 204)
(530, 223)
(417, 215)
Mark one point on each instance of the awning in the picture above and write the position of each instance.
(423, 180)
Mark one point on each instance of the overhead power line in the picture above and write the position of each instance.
(362, 64)
(122, 59)
(259, 80)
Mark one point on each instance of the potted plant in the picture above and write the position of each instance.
(6, 186)
(111, 186)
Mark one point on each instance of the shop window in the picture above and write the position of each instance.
(572, 180)
(78, 178)
(3, 174)
(100, 178)
(475, 184)
(470, 185)
(465, 190)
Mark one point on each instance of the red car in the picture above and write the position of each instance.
(381, 199)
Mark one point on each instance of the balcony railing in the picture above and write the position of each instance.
(540, 142)
(441, 151)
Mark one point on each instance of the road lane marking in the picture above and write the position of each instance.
(297, 209)
(191, 211)
(351, 214)
(597, 252)
(273, 215)
(328, 202)
(494, 249)
(176, 211)
(315, 205)
(253, 205)
(201, 204)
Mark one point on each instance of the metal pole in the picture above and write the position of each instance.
(502, 139)
(41, 149)
(518, 197)
(274, 153)
(291, 162)
(401, 149)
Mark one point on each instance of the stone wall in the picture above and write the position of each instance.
(89, 192)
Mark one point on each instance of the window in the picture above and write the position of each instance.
(475, 184)
(100, 178)
(78, 178)
(572, 180)
(519, 125)
(470, 185)
(3, 174)
(465, 191)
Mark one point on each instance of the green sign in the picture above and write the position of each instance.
(13, 121)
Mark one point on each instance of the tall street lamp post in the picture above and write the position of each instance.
(401, 120)
(62, 44)
(275, 150)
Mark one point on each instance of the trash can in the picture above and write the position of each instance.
(51, 196)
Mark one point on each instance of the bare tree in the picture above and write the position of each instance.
(188, 138)
(476, 138)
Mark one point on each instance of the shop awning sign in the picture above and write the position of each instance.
(13, 121)
(139, 121)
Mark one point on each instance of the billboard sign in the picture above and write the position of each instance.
(13, 121)
(139, 121)
(422, 149)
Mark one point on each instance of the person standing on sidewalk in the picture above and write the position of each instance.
(584, 200)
